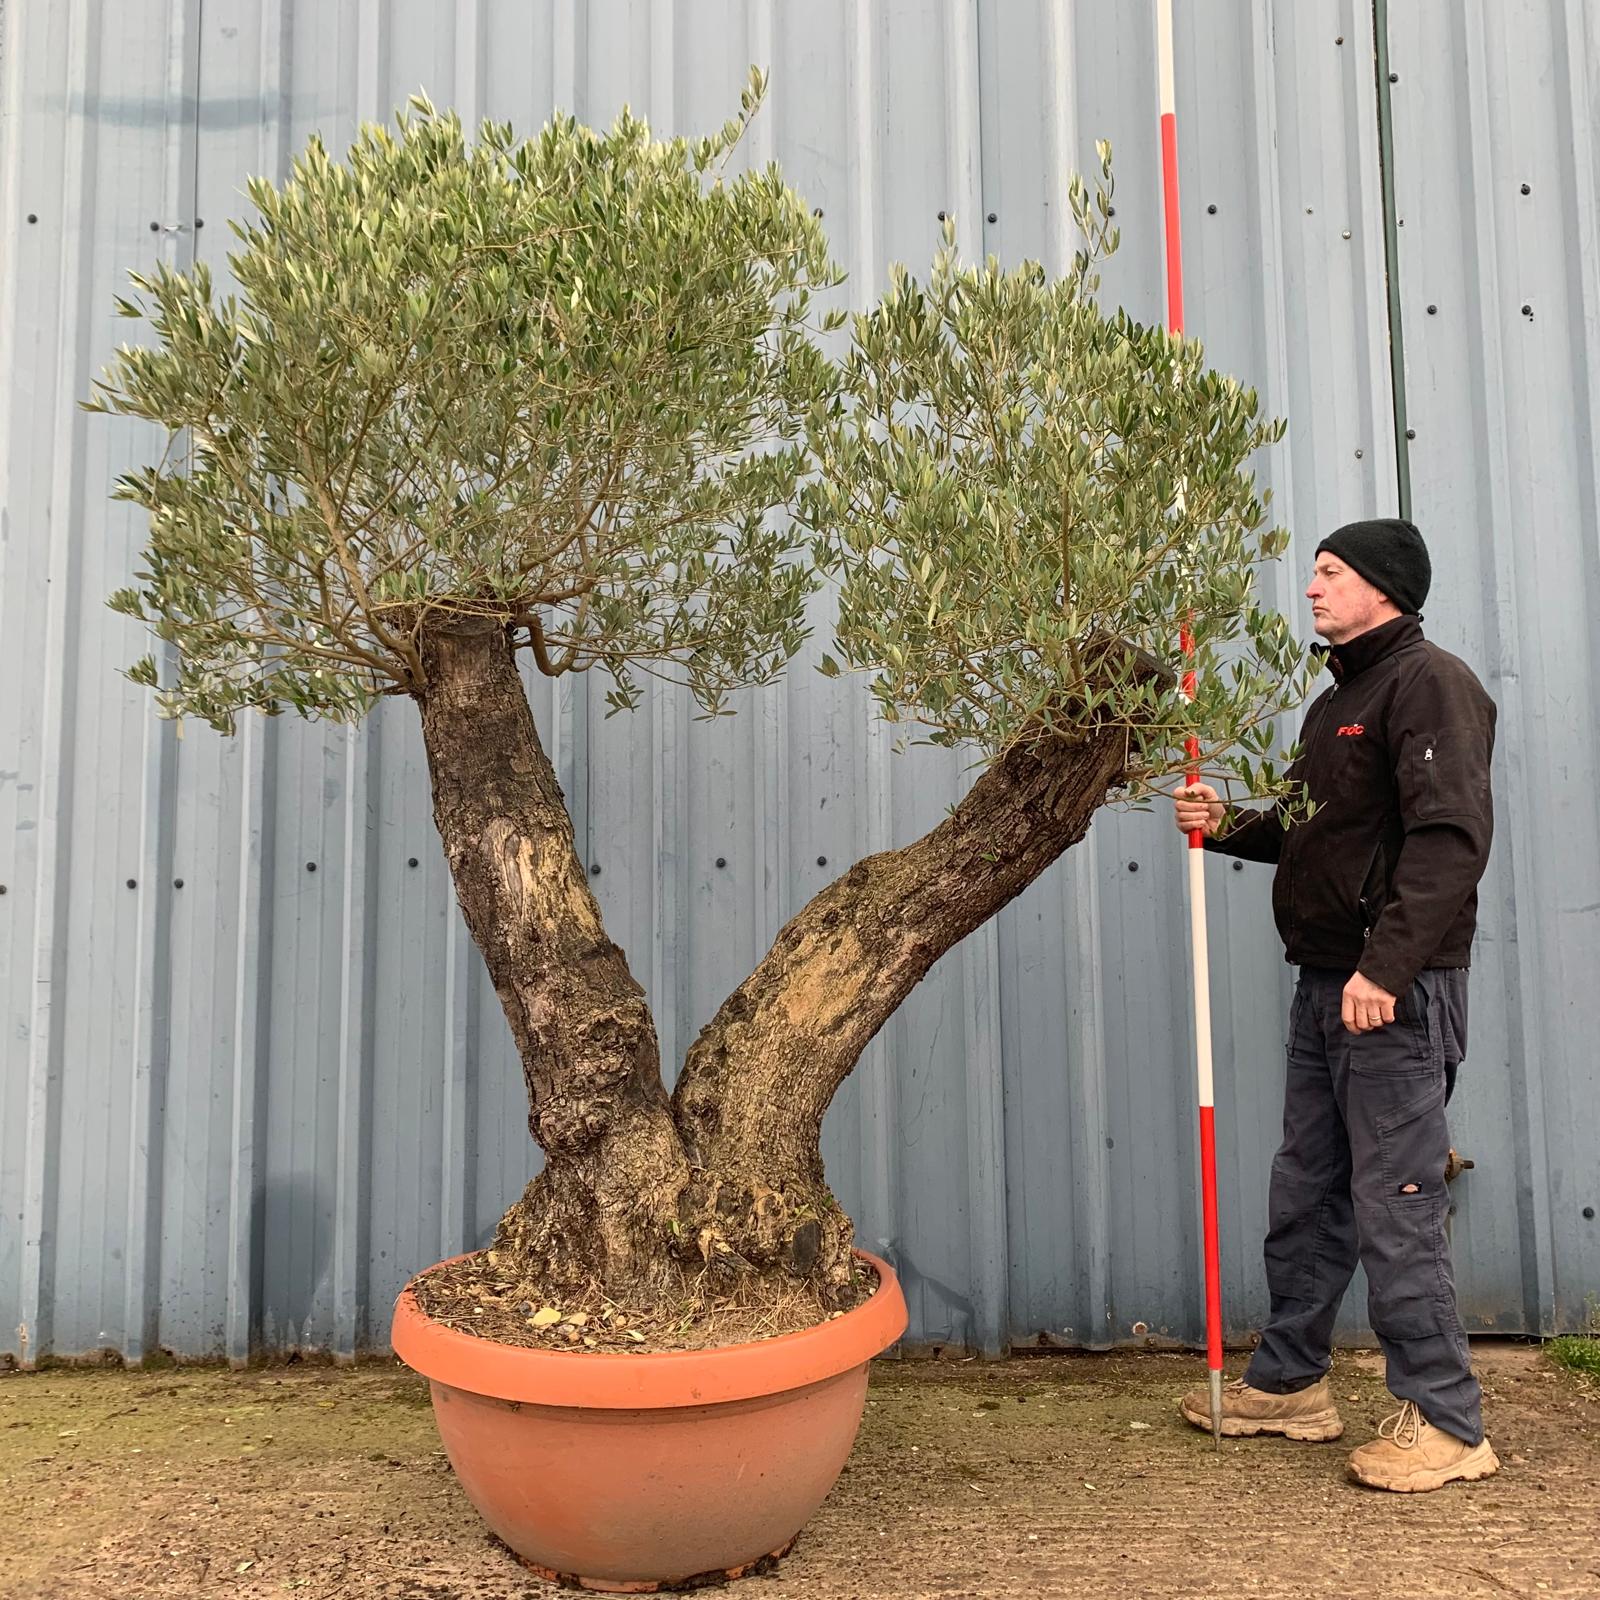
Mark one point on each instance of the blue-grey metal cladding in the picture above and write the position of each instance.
(251, 1073)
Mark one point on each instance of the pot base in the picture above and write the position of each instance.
(698, 1580)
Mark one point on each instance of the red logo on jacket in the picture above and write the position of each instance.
(1352, 730)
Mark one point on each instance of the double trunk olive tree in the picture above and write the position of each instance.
(572, 397)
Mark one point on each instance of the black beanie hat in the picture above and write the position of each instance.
(1389, 553)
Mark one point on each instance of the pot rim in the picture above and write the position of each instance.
(651, 1380)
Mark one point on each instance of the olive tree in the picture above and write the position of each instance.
(579, 397)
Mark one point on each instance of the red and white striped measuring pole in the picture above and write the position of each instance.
(1197, 879)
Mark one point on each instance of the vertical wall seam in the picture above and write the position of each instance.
(568, 30)
(358, 953)
(251, 1028)
(669, 822)
(1061, 132)
(570, 89)
(41, 1164)
(153, 947)
(1284, 590)
(456, 1060)
(372, 61)
(1503, 629)
(469, 64)
(12, 54)
(1278, 581)
(252, 954)
(13, 562)
(877, 1071)
(980, 955)
(1580, 49)
(361, 757)
(1084, 1056)
(458, 1137)
(770, 736)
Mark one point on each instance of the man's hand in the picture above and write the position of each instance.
(1366, 1007)
(1198, 807)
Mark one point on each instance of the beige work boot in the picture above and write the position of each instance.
(1410, 1456)
(1307, 1414)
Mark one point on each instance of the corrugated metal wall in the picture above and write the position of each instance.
(251, 1075)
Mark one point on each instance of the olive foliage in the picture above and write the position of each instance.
(597, 385)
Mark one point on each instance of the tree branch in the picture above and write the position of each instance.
(760, 1077)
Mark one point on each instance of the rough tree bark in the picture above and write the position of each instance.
(758, 1080)
(729, 1169)
(602, 1208)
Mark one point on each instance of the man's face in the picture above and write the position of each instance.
(1343, 604)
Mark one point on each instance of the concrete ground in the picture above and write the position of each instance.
(1060, 1475)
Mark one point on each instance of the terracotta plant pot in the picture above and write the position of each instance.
(639, 1472)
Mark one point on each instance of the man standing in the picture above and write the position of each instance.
(1376, 900)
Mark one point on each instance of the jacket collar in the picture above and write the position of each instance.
(1353, 657)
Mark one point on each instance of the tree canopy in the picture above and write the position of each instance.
(559, 380)
(1027, 498)
(596, 385)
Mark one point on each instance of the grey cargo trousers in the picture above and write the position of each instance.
(1361, 1176)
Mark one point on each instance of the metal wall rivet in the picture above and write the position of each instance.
(1238, 866)
(722, 861)
(1211, 211)
(994, 217)
(941, 216)
(1433, 311)
(1588, 1213)
(1133, 866)
(1308, 211)
(1346, 233)
(133, 883)
(311, 866)
(1359, 454)
(177, 883)
(2, 888)
(822, 861)
(1411, 433)
(411, 861)
(199, 222)
(594, 871)
(1527, 188)
(1340, 39)
(1527, 310)
(1111, 211)
(1394, 77)
(155, 227)
(33, 216)
(817, 212)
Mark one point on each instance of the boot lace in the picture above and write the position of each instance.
(1404, 1428)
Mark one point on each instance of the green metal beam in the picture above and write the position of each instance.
(1391, 255)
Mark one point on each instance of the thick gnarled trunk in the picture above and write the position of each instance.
(760, 1077)
(635, 1187)
(601, 1209)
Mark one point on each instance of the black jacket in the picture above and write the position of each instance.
(1383, 877)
